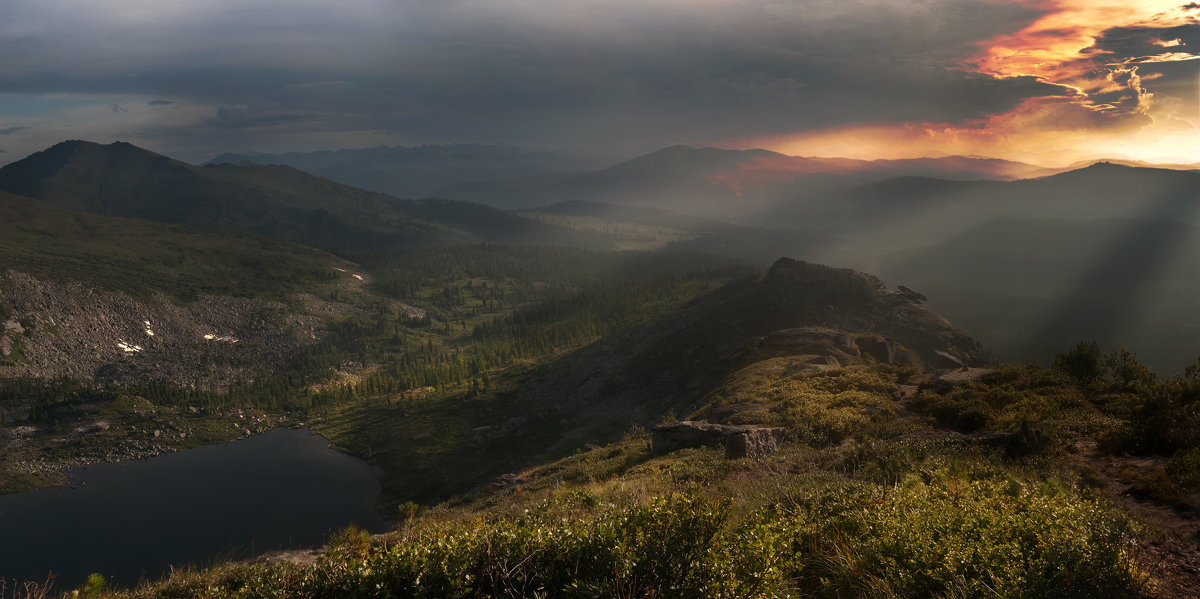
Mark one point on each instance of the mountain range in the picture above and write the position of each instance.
(416, 172)
(281, 202)
(722, 184)
(1141, 221)
(697, 180)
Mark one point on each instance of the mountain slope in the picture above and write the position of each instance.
(670, 363)
(1029, 288)
(1102, 190)
(874, 221)
(1031, 266)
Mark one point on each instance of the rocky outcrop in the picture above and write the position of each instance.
(738, 441)
(77, 331)
(1014, 444)
(796, 293)
(827, 317)
(753, 443)
(916, 296)
(839, 348)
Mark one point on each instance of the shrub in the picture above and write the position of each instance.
(963, 538)
(93, 586)
(1128, 371)
(1166, 419)
(1085, 363)
(1183, 469)
(675, 546)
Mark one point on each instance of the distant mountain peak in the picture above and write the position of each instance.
(678, 149)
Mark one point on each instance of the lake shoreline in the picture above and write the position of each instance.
(283, 489)
(40, 454)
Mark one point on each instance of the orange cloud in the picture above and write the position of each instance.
(1056, 46)
(1061, 47)
(1114, 112)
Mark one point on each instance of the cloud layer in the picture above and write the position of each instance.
(609, 77)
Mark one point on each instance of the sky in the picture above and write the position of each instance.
(1047, 82)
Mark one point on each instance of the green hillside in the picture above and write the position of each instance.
(143, 257)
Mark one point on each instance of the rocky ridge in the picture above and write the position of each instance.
(825, 317)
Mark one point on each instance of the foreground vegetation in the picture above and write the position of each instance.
(866, 499)
(806, 536)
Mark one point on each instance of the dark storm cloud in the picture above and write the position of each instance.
(1151, 69)
(1135, 44)
(11, 130)
(614, 72)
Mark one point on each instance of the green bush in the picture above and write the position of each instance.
(94, 585)
(959, 538)
(1183, 469)
(1128, 371)
(676, 546)
(1084, 363)
(1165, 420)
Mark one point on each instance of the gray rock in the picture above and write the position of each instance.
(754, 443)
(914, 295)
(739, 441)
(878, 348)
(505, 481)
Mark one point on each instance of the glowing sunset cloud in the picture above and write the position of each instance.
(1056, 47)
(1113, 56)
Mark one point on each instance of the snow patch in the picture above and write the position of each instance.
(357, 276)
(224, 338)
(149, 332)
(128, 348)
(339, 269)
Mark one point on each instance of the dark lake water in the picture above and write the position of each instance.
(282, 489)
